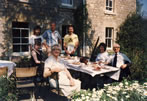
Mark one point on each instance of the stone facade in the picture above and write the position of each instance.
(35, 12)
(100, 18)
(42, 12)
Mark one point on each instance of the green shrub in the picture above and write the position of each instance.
(132, 41)
(7, 89)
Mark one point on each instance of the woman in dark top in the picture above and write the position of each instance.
(36, 58)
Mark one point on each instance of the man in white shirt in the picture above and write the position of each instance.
(121, 61)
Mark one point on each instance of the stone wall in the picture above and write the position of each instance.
(100, 18)
(36, 12)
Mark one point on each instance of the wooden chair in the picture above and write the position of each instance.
(3, 71)
(25, 78)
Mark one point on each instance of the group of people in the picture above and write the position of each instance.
(118, 60)
(51, 37)
(51, 40)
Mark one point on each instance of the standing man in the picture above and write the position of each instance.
(121, 61)
(71, 42)
(52, 37)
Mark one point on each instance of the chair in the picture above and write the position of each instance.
(3, 71)
(54, 76)
(25, 78)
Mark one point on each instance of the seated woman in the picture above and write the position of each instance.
(103, 55)
(54, 64)
(36, 58)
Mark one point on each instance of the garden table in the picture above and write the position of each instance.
(9, 64)
(88, 69)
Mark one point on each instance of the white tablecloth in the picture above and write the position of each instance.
(9, 64)
(88, 68)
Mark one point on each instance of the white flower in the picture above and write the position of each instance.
(114, 98)
(108, 95)
(121, 84)
(124, 92)
(83, 98)
(127, 96)
(89, 94)
(87, 97)
(93, 89)
(93, 95)
(106, 85)
(122, 99)
(126, 83)
(82, 95)
(114, 92)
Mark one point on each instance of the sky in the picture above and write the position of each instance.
(144, 7)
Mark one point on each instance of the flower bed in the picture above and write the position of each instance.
(123, 91)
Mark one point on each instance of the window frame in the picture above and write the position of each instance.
(109, 38)
(108, 6)
(66, 4)
(21, 52)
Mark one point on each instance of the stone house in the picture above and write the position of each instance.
(105, 17)
(18, 17)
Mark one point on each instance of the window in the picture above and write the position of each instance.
(109, 36)
(24, 1)
(20, 33)
(109, 5)
(67, 2)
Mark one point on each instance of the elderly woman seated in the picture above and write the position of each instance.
(53, 64)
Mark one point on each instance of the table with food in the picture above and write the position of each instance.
(85, 66)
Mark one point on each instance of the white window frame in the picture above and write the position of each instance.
(108, 6)
(21, 53)
(26, 1)
(66, 4)
(109, 38)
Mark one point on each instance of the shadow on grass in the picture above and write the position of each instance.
(42, 94)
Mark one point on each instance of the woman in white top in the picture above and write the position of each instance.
(35, 37)
(54, 64)
(103, 55)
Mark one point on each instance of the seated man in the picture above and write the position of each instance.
(121, 61)
(54, 64)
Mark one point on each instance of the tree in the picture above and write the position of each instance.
(131, 38)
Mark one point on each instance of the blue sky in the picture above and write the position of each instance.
(144, 7)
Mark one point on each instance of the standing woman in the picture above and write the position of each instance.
(35, 37)
(103, 55)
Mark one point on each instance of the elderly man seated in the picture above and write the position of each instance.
(54, 64)
(121, 61)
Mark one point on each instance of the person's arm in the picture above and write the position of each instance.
(44, 37)
(35, 57)
(69, 77)
(31, 47)
(59, 39)
(47, 72)
(76, 44)
(65, 49)
(127, 62)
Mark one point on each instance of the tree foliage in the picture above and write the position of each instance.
(132, 41)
